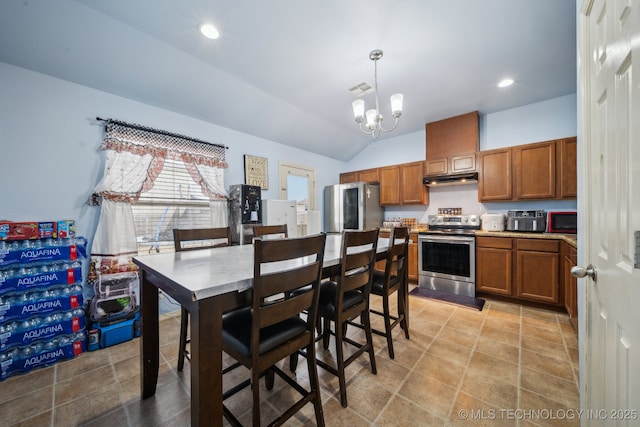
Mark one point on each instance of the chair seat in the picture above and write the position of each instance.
(328, 291)
(236, 332)
(377, 284)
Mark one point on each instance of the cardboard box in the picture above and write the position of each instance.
(18, 230)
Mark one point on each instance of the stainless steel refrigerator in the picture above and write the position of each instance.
(353, 206)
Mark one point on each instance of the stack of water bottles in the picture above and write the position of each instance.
(42, 318)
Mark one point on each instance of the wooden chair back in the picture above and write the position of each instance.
(270, 231)
(201, 238)
(358, 259)
(397, 256)
(282, 267)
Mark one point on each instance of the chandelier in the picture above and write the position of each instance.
(373, 124)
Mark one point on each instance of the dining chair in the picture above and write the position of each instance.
(343, 300)
(270, 231)
(259, 336)
(188, 240)
(391, 281)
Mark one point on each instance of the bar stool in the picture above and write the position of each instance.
(392, 280)
(201, 238)
(343, 300)
(266, 332)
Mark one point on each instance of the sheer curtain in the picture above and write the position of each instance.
(135, 155)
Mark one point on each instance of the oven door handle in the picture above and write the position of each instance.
(453, 239)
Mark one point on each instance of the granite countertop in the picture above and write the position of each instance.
(572, 239)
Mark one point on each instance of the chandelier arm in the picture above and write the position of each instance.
(395, 125)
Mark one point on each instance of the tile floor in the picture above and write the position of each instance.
(507, 365)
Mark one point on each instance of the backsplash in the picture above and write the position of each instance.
(466, 197)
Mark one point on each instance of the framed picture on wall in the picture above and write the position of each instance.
(256, 171)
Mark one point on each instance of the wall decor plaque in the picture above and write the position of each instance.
(256, 171)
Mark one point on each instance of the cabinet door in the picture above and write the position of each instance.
(535, 166)
(567, 187)
(436, 167)
(348, 177)
(463, 163)
(369, 175)
(570, 284)
(412, 265)
(495, 182)
(413, 191)
(390, 185)
(494, 259)
(493, 270)
(537, 276)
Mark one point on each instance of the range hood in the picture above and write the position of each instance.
(453, 179)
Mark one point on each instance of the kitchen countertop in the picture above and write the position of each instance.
(572, 239)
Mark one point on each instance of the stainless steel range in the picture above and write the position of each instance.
(447, 255)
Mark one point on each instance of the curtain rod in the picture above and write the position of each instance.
(161, 132)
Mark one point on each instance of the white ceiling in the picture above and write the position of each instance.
(281, 68)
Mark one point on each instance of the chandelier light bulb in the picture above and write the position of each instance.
(396, 104)
(358, 110)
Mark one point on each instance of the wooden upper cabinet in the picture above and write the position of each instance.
(452, 144)
(535, 166)
(366, 175)
(369, 175)
(567, 160)
(413, 191)
(348, 177)
(495, 183)
(390, 185)
(539, 171)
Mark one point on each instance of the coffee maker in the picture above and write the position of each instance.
(245, 211)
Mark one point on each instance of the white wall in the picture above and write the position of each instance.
(49, 140)
(541, 121)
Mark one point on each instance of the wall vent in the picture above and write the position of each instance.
(360, 89)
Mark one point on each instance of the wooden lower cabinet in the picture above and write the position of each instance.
(494, 257)
(413, 258)
(525, 269)
(570, 283)
(537, 270)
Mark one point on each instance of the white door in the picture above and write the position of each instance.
(609, 93)
(298, 183)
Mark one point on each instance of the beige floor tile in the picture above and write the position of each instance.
(456, 359)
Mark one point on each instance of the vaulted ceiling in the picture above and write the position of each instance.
(281, 69)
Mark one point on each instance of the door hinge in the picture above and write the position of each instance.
(636, 256)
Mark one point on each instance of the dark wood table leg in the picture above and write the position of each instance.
(206, 362)
(149, 343)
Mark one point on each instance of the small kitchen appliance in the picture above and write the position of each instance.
(562, 222)
(492, 222)
(526, 220)
(245, 211)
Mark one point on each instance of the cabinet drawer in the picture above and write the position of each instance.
(494, 242)
(539, 245)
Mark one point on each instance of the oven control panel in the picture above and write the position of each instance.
(454, 221)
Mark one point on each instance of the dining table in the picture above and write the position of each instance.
(208, 283)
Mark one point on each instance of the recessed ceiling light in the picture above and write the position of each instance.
(505, 83)
(209, 31)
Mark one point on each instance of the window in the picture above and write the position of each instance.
(175, 201)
